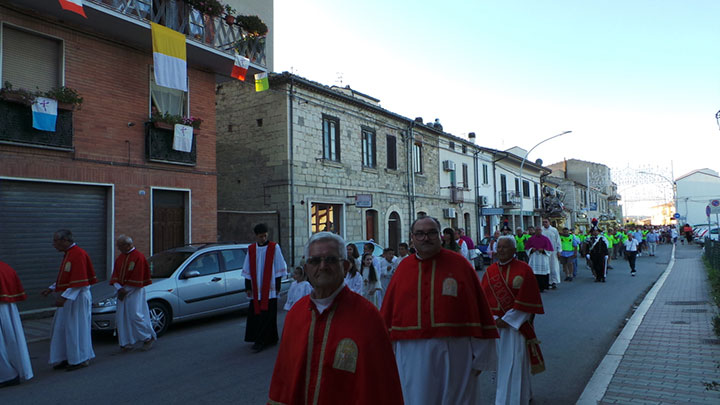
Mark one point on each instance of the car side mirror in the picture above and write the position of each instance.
(191, 274)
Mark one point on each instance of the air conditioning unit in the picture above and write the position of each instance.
(448, 165)
(449, 212)
(484, 200)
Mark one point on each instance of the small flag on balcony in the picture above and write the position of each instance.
(44, 113)
(261, 82)
(76, 6)
(241, 67)
(169, 57)
(182, 139)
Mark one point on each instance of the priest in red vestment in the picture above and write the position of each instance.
(439, 321)
(514, 297)
(14, 358)
(130, 275)
(335, 348)
(71, 340)
(263, 270)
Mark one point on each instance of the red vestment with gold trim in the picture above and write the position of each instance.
(11, 289)
(76, 270)
(131, 269)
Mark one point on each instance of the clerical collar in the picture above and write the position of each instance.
(71, 246)
(264, 244)
(324, 303)
(506, 262)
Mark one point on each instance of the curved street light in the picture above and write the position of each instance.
(523, 164)
(672, 184)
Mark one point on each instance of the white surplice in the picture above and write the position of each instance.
(14, 357)
(297, 291)
(442, 370)
(355, 284)
(133, 317)
(279, 268)
(70, 338)
(554, 236)
(540, 262)
(513, 370)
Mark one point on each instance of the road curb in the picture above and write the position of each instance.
(598, 384)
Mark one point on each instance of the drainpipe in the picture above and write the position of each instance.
(477, 197)
(291, 98)
(411, 174)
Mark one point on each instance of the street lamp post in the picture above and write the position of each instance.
(523, 164)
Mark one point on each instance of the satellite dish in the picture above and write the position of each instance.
(539, 162)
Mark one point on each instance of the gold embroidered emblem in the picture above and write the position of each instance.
(68, 266)
(449, 287)
(131, 266)
(517, 282)
(346, 355)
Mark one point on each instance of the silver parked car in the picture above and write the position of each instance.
(188, 282)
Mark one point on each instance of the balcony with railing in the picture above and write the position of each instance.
(509, 199)
(212, 42)
(159, 147)
(16, 127)
(456, 195)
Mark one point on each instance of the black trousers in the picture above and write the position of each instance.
(262, 328)
(631, 259)
(522, 256)
(543, 281)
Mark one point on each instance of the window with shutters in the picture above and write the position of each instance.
(331, 138)
(391, 152)
(368, 147)
(417, 158)
(31, 61)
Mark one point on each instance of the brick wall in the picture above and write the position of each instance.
(114, 82)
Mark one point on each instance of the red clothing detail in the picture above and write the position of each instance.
(267, 275)
(346, 351)
(450, 304)
(131, 269)
(11, 289)
(525, 290)
(76, 270)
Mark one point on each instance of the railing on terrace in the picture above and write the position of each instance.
(178, 15)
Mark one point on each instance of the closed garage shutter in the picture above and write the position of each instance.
(30, 212)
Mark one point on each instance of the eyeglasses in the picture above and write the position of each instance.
(316, 260)
(420, 235)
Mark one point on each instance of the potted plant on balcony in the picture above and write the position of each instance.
(168, 121)
(211, 8)
(67, 97)
(230, 14)
(20, 96)
(254, 27)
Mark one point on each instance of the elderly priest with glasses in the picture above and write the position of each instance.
(335, 348)
(442, 330)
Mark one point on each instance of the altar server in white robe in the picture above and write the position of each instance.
(552, 233)
(71, 339)
(14, 358)
(130, 276)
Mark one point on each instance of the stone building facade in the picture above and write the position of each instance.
(305, 157)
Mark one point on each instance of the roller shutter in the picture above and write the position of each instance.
(30, 212)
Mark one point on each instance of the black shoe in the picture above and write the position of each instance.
(603, 279)
(73, 367)
(62, 365)
(610, 267)
(10, 383)
(257, 347)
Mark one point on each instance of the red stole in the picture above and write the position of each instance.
(267, 275)
(341, 356)
(11, 290)
(435, 298)
(131, 269)
(505, 299)
(76, 270)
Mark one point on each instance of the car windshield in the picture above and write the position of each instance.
(163, 264)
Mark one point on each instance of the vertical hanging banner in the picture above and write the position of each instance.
(240, 67)
(169, 57)
(261, 82)
(44, 113)
(182, 138)
(76, 6)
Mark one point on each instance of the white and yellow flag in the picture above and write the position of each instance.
(169, 57)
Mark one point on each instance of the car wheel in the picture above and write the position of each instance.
(159, 316)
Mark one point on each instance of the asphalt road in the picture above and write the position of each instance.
(581, 321)
(207, 361)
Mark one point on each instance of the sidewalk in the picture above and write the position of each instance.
(668, 348)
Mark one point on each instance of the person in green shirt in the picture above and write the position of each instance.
(568, 253)
(520, 239)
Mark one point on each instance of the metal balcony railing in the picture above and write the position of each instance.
(158, 147)
(16, 127)
(509, 198)
(181, 17)
(456, 195)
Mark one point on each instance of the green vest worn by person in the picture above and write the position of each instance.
(567, 243)
(520, 242)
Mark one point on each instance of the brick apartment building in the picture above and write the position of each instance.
(106, 170)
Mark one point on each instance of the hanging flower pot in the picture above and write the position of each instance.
(230, 19)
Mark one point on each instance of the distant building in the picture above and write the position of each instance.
(695, 190)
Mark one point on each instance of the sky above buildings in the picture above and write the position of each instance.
(636, 82)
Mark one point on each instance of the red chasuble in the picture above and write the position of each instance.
(341, 356)
(267, 275)
(437, 297)
(76, 270)
(11, 290)
(131, 270)
(514, 286)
